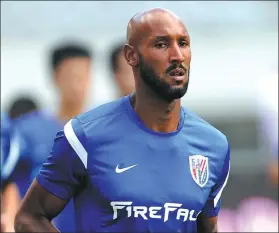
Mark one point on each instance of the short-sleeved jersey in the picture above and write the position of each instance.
(125, 177)
(38, 130)
(10, 150)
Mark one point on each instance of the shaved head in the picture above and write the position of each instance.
(142, 20)
(158, 50)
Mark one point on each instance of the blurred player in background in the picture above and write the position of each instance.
(121, 71)
(22, 105)
(11, 145)
(141, 163)
(71, 75)
(10, 152)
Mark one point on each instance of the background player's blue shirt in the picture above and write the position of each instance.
(38, 129)
(125, 177)
(10, 148)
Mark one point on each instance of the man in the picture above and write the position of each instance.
(71, 74)
(121, 71)
(22, 105)
(141, 163)
(10, 147)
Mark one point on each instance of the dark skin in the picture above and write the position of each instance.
(161, 37)
(160, 45)
(37, 210)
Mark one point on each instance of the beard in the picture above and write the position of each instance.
(164, 90)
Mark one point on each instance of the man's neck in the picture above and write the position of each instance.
(68, 111)
(157, 114)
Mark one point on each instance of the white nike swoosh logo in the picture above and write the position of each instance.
(120, 170)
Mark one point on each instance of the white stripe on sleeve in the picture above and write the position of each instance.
(75, 143)
(218, 196)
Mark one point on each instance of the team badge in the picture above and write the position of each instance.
(199, 169)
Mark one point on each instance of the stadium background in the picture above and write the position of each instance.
(235, 52)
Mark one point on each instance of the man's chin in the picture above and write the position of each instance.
(178, 92)
(173, 96)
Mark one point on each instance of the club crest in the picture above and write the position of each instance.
(199, 169)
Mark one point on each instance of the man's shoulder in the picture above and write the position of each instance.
(102, 112)
(93, 125)
(5, 122)
(205, 129)
(97, 120)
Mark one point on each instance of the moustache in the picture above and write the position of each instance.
(176, 66)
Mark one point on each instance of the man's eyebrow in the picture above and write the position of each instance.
(157, 38)
(166, 37)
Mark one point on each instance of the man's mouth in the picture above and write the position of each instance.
(177, 72)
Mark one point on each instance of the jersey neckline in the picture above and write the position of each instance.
(141, 124)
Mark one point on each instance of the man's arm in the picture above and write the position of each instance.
(207, 219)
(37, 210)
(9, 206)
(207, 225)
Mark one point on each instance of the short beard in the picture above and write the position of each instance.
(158, 85)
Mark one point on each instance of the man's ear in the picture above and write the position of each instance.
(130, 55)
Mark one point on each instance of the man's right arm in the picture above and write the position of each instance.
(60, 177)
(38, 208)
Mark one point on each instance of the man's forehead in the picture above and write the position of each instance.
(162, 29)
(155, 22)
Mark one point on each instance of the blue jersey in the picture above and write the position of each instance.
(38, 130)
(10, 148)
(124, 177)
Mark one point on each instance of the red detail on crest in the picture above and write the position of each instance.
(195, 172)
(202, 164)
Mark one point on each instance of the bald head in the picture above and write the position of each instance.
(143, 22)
(158, 50)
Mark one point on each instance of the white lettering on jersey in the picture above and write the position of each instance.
(152, 212)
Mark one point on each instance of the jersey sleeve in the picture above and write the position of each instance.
(213, 203)
(65, 168)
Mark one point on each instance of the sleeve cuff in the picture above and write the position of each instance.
(54, 189)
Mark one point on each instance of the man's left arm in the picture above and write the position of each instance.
(207, 219)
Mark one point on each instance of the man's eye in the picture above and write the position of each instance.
(183, 43)
(161, 45)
